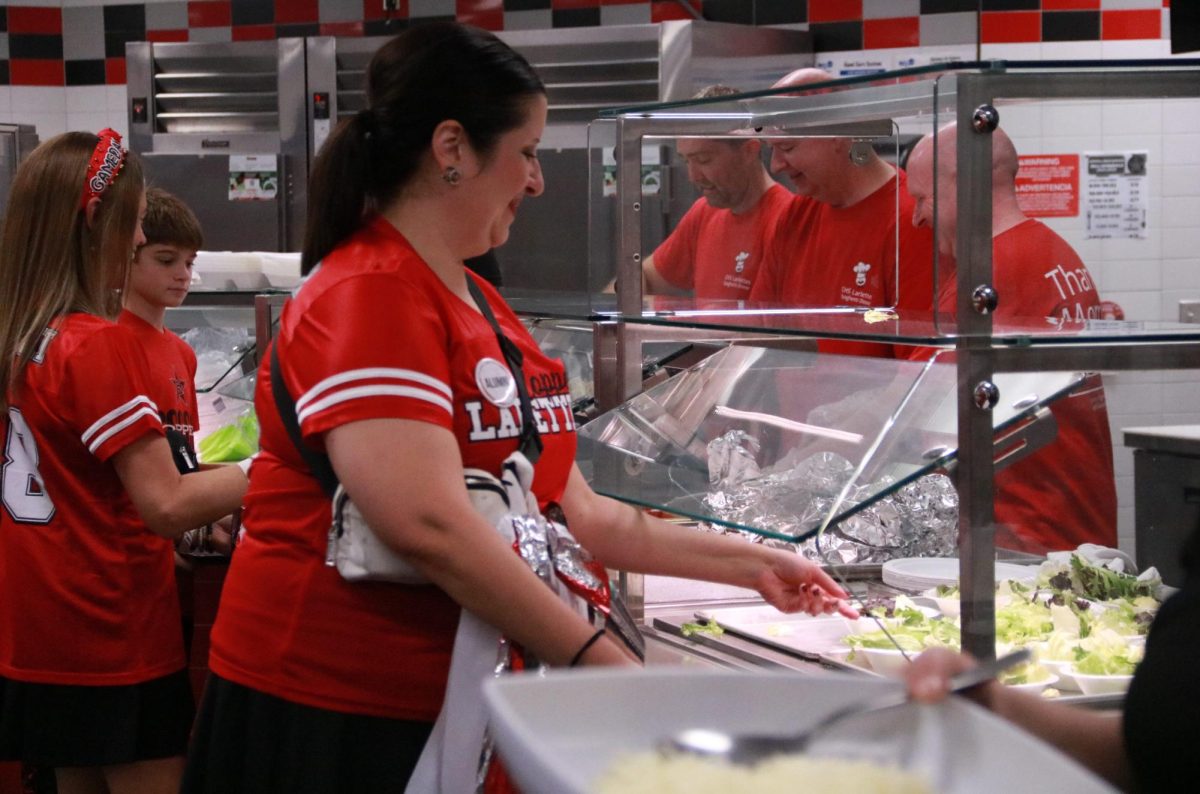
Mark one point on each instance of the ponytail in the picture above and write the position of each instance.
(426, 75)
(339, 189)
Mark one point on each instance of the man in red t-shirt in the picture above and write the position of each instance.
(715, 250)
(845, 240)
(1064, 494)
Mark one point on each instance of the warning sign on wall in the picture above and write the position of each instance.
(1048, 185)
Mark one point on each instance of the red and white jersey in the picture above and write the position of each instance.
(87, 593)
(865, 255)
(172, 378)
(716, 253)
(372, 334)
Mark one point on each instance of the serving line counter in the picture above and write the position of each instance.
(779, 446)
(987, 346)
(882, 458)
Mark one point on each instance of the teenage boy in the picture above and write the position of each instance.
(160, 279)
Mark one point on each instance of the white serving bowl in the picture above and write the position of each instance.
(1035, 686)
(950, 607)
(865, 624)
(1101, 684)
(559, 733)
(887, 661)
(1066, 681)
(229, 270)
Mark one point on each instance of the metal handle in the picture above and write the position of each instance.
(985, 672)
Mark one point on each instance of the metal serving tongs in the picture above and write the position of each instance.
(751, 748)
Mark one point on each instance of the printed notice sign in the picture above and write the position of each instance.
(850, 64)
(1048, 185)
(1115, 195)
(253, 177)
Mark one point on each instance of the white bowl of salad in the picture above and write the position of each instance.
(1029, 677)
(1062, 670)
(1101, 684)
(897, 612)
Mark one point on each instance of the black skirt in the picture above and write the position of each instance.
(248, 741)
(61, 725)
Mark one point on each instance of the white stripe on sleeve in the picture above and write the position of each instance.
(99, 424)
(371, 373)
(375, 390)
(117, 428)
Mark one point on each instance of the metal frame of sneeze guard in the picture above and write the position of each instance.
(970, 92)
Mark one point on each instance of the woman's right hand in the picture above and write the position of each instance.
(928, 677)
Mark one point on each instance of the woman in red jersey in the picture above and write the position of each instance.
(324, 685)
(92, 673)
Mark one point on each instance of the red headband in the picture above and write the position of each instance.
(105, 164)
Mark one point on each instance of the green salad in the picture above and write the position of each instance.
(1106, 653)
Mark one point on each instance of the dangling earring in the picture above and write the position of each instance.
(452, 175)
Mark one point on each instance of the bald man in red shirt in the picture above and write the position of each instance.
(1064, 494)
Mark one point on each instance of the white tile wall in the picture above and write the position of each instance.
(1073, 50)
(1031, 51)
(115, 98)
(1181, 148)
(884, 9)
(1112, 5)
(87, 98)
(90, 121)
(36, 99)
(1146, 277)
(47, 124)
(537, 19)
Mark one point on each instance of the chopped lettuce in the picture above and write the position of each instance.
(1028, 673)
(1106, 653)
(709, 627)
(910, 634)
(1094, 582)
(1022, 622)
(1060, 647)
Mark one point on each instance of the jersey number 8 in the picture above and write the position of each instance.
(21, 485)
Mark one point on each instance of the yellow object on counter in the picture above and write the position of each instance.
(879, 316)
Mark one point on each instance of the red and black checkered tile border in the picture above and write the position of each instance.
(62, 46)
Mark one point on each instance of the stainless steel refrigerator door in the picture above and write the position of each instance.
(203, 182)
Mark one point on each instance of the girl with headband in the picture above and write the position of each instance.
(93, 680)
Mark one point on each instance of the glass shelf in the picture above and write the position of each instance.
(883, 110)
(572, 342)
(837, 322)
(743, 102)
(781, 442)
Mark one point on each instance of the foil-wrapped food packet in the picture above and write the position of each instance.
(797, 495)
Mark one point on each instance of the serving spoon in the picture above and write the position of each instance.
(749, 749)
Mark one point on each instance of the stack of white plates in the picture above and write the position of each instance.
(229, 270)
(922, 573)
(280, 269)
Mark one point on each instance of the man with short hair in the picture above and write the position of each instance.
(715, 250)
(845, 240)
(1062, 495)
